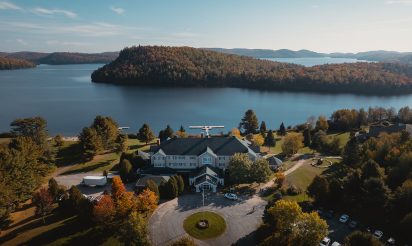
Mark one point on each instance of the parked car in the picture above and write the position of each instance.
(391, 241)
(335, 244)
(325, 242)
(231, 196)
(344, 218)
(378, 234)
(353, 224)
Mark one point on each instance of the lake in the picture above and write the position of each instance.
(68, 100)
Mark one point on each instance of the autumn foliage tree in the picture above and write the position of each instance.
(104, 211)
(146, 202)
(290, 224)
(43, 202)
(292, 143)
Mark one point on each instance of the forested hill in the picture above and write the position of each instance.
(59, 58)
(10, 63)
(190, 67)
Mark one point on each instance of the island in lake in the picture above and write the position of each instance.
(12, 63)
(192, 67)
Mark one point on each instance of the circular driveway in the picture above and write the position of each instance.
(242, 218)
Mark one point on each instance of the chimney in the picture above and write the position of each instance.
(158, 142)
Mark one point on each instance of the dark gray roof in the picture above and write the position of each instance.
(157, 179)
(375, 130)
(226, 146)
(273, 160)
(158, 171)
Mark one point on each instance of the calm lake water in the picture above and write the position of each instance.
(65, 96)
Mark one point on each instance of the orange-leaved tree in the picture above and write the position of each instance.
(147, 202)
(124, 201)
(104, 211)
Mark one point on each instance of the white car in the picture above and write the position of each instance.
(231, 196)
(378, 234)
(325, 242)
(344, 218)
(335, 244)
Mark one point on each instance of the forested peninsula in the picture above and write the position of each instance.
(192, 67)
(11, 63)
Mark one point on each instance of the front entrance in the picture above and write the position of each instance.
(205, 186)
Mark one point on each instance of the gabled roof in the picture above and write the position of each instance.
(206, 170)
(206, 178)
(221, 146)
(274, 161)
(209, 151)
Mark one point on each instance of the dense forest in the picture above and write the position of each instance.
(60, 58)
(11, 63)
(191, 67)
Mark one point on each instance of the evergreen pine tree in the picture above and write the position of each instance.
(282, 129)
(263, 128)
(307, 139)
(249, 122)
(270, 140)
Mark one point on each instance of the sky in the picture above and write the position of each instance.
(110, 25)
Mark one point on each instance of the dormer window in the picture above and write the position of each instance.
(207, 160)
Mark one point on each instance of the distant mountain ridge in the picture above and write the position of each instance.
(378, 55)
(60, 58)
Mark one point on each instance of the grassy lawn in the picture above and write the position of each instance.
(98, 164)
(343, 137)
(303, 176)
(70, 155)
(217, 225)
(58, 229)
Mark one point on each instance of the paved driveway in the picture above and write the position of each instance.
(242, 218)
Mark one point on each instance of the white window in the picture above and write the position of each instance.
(207, 160)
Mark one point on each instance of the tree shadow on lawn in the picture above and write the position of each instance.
(77, 233)
(89, 168)
(69, 155)
(24, 221)
(53, 218)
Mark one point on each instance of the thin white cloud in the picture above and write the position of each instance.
(9, 5)
(97, 29)
(119, 11)
(21, 41)
(51, 12)
(404, 2)
(67, 43)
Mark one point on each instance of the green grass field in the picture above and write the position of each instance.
(70, 155)
(217, 225)
(303, 176)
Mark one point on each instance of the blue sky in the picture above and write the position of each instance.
(103, 25)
